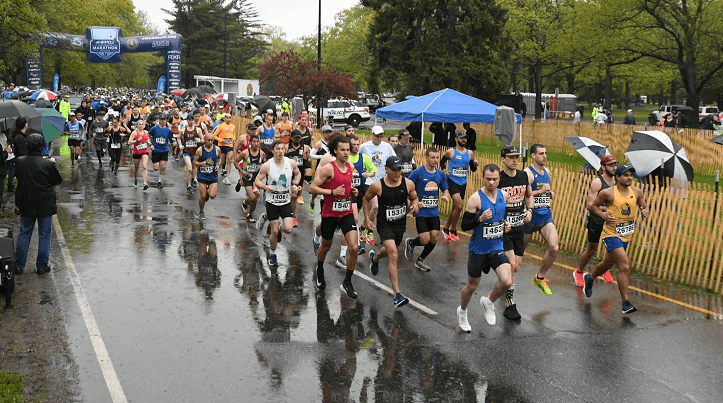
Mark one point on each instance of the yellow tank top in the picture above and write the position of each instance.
(624, 208)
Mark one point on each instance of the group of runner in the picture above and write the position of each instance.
(384, 183)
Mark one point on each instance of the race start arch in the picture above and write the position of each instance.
(107, 45)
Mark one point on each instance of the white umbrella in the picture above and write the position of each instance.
(590, 149)
(649, 150)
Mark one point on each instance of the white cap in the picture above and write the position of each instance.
(377, 130)
(630, 110)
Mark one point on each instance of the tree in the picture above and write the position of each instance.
(20, 22)
(426, 45)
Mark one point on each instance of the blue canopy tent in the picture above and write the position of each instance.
(445, 106)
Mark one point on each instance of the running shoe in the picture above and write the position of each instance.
(628, 307)
(260, 222)
(249, 218)
(489, 307)
(579, 278)
(400, 300)
(340, 263)
(272, 260)
(244, 207)
(447, 235)
(135, 184)
(319, 281)
(159, 185)
(226, 181)
(363, 236)
(608, 277)
(409, 249)
(223, 172)
(361, 251)
(201, 216)
(296, 223)
(348, 290)
(453, 235)
(462, 321)
(588, 285)
(316, 245)
(300, 200)
(542, 285)
(238, 186)
(312, 204)
(370, 238)
(421, 265)
(194, 183)
(373, 266)
(511, 312)
(145, 186)
(189, 189)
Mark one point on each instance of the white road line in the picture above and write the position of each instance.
(101, 353)
(379, 285)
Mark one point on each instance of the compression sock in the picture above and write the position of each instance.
(320, 268)
(347, 277)
(509, 294)
(416, 242)
(428, 248)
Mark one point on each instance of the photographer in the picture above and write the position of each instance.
(35, 201)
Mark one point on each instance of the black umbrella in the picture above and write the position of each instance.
(648, 150)
(193, 92)
(10, 110)
(206, 89)
(42, 103)
(718, 139)
(263, 103)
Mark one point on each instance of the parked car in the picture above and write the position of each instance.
(655, 116)
(704, 111)
(343, 111)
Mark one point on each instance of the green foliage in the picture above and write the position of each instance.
(11, 388)
(18, 21)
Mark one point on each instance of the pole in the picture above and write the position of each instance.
(715, 213)
(225, 39)
(320, 115)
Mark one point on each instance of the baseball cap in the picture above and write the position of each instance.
(460, 133)
(285, 114)
(630, 110)
(377, 130)
(295, 133)
(326, 128)
(509, 150)
(394, 162)
(251, 126)
(162, 116)
(608, 159)
(257, 118)
(403, 133)
(622, 169)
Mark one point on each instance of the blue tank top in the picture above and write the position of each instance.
(459, 167)
(487, 236)
(208, 172)
(542, 212)
(359, 166)
(267, 137)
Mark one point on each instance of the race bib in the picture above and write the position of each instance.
(280, 197)
(98, 130)
(160, 140)
(396, 213)
(191, 143)
(252, 168)
(625, 228)
(355, 180)
(268, 141)
(459, 172)
(206, 169)
(228, 141)
(515, 219)
(406, 167)
(115, 145)
(141, 146)
(341, 205)
(74, 135)
(493, 230)
(543, 200)
(430, 201)
(299, 161)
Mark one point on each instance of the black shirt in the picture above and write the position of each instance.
(471, 139)
(393, 205)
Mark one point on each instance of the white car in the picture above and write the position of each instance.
(342, 111)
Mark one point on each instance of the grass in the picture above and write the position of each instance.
(11, 388)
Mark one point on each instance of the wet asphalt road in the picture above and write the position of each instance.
(190, 312)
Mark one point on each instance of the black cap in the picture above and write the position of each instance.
(460, 133)
(403, 133)
(162, 116)
(622, 169)
(509, 150)
(295, 133)
(251, 126)
(394, 162)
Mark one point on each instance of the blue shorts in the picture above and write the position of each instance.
(225, 150)
(189, 156)
(613, 242)
(531, 228)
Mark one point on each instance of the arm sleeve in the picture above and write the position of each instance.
(469, 221)
(313, 154)
(443, 163)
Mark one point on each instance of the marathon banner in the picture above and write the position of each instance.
(107, 45)
(161, 87)
(34, 72)
(56, 83)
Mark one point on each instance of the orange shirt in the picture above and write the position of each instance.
(225, 134)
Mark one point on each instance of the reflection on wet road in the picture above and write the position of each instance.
(191, 312)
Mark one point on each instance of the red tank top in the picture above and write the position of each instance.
(338, 206)
(141, 144)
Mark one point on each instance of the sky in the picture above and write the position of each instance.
(296, 17)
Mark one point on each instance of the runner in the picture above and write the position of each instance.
(405, 150)
(487, 207)
(267, 133)
(623, 202)
(116, 135)
(428, 180)
(225, 135)
(206, 160)
(320, 149)
(279, 173)
(284, 129)
(461, 160)
(539, 179)
(252, 158)
(334, 181)
(518, 197)
(191, 137)
(174, 121)
(300, 154)
(161, 135)
(594, 223)
(99, 128)
(394, 192)
(378, 151)
(74, 130)
(140, 142)
(306, 133)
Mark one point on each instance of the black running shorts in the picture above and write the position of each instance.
(478, 264)
(330, 224)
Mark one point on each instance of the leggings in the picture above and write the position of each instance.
(115, 155)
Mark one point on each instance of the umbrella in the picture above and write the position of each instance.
(222, 96)
(206, 89)
(44, 94)
(649, 150)
(590, 149)
(263, 103)
(11, 110)
(193, 92)
(53, 123)
(178, 91)
(718, 139)
(41, 103)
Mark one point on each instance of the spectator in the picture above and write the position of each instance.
(439, 137)
(707, 122)
(629, 118)
(35, 201)
(669, 121)
(4, 151)
(471, 136)
(601, 117)
(451, 138)
(415, 129)
(19, 144)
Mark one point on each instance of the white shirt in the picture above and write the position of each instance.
(378, 155)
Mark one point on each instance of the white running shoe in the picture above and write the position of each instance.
(489, 307)
(226, 181)
(462, 321)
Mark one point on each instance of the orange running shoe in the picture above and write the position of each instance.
(579, 280)
(608, 277)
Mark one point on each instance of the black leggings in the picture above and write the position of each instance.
(115, 155)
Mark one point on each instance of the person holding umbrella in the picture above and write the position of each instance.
(623, 202)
